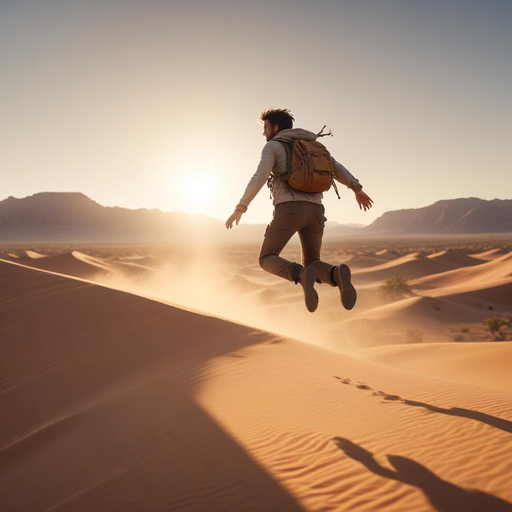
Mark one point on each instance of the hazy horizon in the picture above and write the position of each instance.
(154, 105)
(349, 224)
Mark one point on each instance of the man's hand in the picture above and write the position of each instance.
(235, 216)
(363, 201)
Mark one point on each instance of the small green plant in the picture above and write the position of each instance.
(395, 287)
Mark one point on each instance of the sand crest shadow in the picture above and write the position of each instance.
(99, 395)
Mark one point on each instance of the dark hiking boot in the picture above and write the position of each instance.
(341, 275)
(307, 278)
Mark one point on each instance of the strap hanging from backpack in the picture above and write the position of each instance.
(334, 186)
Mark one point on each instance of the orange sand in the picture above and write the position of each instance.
(112, 401)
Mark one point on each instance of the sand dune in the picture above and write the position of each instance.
(419, 309)
(99, 386)
(490, 254)
(34, 255)
(485, 289)
(495, 270)
(116, 402)
(412, 266)
(361, 261)
(78, 264)
(73, 263)
(231, 284)
(493, 296)
(484, 364)
(455, 259)
(413, 318)
(465, 295)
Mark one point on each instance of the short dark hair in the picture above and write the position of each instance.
(280, 116)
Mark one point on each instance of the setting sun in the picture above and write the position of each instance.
(196, 188)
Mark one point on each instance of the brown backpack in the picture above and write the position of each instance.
(310, 166)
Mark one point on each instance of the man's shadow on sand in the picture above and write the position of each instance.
(443, 496)
(488, 419)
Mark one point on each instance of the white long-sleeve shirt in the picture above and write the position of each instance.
(274, 159)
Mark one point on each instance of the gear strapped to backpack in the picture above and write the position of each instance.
(310, 165)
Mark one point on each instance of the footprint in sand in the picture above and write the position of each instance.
(387, 396)
(363, 385)
(359, 385)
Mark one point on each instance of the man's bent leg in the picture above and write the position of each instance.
(284, 225)
(311, 241)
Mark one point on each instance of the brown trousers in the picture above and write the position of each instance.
(289, 218)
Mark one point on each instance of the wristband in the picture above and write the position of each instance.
(240, 208)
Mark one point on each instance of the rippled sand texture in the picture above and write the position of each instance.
(114, 401)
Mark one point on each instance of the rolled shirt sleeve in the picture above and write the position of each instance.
(345, 177)
(260, 177)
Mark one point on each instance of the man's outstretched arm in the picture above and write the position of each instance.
(267, 162)
(344, 176)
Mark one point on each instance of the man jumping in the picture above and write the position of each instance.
(296, 211)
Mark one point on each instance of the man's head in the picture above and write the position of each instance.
(274, 120)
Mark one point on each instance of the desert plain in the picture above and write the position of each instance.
(187, 378)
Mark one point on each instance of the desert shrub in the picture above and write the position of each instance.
(459, 337)
(499, 327)
(465, 330)
(494, 323)
(395, 287)
(413, 336)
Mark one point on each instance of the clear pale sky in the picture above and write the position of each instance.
(129, 102)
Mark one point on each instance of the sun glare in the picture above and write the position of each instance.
(197, 189)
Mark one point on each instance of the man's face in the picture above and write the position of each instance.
(269, 131)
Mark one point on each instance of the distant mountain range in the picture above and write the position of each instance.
(452, 216)
(73, 217)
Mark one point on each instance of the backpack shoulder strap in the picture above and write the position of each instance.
(288, 147)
